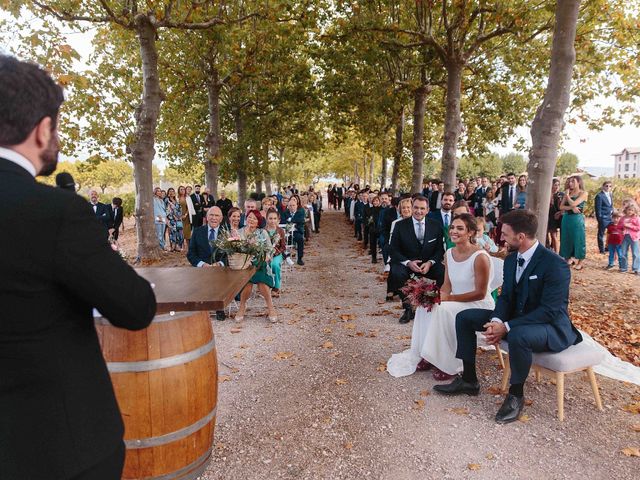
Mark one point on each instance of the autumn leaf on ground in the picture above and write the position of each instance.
(236, 330)
(360, 334)
(382, 367)
(424, 393)
(524, 418)
(224, 378)
(636, 427)
(282, 355)
(373, 333)
(403, 337)
(474, 466)
(238, 355)
(244, 345)
(460, 411)
(632, 407)
(528, 402)
(327, 344)
(341, 381)
(494, 390)
(326, 330)
(346, 317)
(349, 326)
(348, 445)
(631, 451)
(490, 456)
(418, 404)
(267, 339)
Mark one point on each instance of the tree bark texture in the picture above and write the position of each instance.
(452, 125)
(419, 107)
(143, 146)
(242, 158)
(549, 120)
(397, 153)
(214, 137)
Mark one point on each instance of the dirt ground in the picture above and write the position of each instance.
(309, 397)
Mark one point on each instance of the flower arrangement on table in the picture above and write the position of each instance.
(422, 292)
(242, 252)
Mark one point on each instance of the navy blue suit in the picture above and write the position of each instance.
(604, 210)
(535, 309)
(200, 248)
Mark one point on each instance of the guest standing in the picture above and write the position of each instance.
(224, 204)
(185, 207)
(603, 211)
(521, 196)
(174, 221)
(159, 215)
(573, 245)
(117, 217)
(631, 238)
(615, 235)
(196, 198)
(555, 215)
(296, 216)
(60, 419)
(100, 210)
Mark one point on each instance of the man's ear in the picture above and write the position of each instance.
(43, 133)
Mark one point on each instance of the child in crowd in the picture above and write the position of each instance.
(630, 223)
(614, 240)
(482, 239)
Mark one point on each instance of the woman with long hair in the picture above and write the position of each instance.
(295, 215)
(263, 277)
(277, 237)
(233, 220)
(573, 243)
(184, 200)
(521, 195)
(174, 219)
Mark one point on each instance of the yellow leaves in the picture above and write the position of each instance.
(348, 445)
(283, 355)
(636, 427)
(490, 456)
(418, 404)
(327, 344)
(425, 393)
(224, 378)
(326, 330)
(460, 410)
(341, 381)
(474, 466)
(632, 408)
(65, 79)
(524, 418)
(382, 367)
(349, 326)
(631, 451)
(494, 390)
(345, 317)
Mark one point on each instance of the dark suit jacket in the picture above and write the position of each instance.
(433, 200)
(389, 214)
(200, 248)
(540, 298)
(437, 217)
(505, 202)
(197, 203)
(603, 208)
(59, 413)
(405, 245)
(116, 217)
(103, 214)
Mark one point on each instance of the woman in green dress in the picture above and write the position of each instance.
(263, 277)
(573, 243)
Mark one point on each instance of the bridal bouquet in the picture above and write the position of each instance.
(422, 292)
(253, 248)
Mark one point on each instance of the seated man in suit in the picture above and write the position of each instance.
(531, 312)
(416, 248)
(200, 252)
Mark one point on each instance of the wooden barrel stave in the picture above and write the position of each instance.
(171, 403)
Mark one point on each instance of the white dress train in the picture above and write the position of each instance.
(434, 333)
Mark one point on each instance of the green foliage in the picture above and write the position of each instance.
(128, 203)
(567, 164)
(489, 165)
(514, 162)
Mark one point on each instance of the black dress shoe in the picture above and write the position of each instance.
(220, 315)
(300, 262)
(406, 317)
(458, 387)
(510, 410)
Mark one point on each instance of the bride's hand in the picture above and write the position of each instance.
(444, 296)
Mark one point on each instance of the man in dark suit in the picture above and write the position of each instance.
(60, 419)
(100, 210)
(509, 192)
(481, 194)
(339, 194)
(435, 200)
(224, 204)
(197, 199)
(604, 210)
(531, 312)
(444, 216)
(200, 253)
(416, 248)
(116, 217)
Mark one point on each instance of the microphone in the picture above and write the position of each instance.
(65, 180)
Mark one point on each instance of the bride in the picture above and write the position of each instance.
(468, 270)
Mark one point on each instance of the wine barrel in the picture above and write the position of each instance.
(166, 381)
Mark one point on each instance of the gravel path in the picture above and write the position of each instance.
(308, 398)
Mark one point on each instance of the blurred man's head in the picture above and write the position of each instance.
(29, 104)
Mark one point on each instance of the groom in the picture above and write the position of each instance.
(531, 312)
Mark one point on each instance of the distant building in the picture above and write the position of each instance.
(627, 163)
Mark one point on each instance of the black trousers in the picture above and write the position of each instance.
(373, 243)
(108, 469)
(339, 200)
(399, 275)
(298, 239)
(602, 227)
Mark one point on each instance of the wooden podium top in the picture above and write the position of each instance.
(189, 289)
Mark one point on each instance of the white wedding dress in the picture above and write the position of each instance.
(434, 333)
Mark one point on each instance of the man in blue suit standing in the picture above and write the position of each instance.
(604, 210)
(200, 252)
(531, 312)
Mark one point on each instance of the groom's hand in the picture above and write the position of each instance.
(414, 266)
(494, 332)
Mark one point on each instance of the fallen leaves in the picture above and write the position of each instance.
(348, 446)
(341, 381)
(345, 317)
(636, 427)
(494, 390)
(349, 326)
(418, 404)
(632, 408)
(235, 330)
(424, 393)
(328, 344)
(224, 378)
(283, 355)
(460, 410)
(326, 330)
(474, 466)
(631, 451)
(382, 367)
(524, 418)
(490, 456)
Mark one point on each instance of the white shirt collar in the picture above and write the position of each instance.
(416, 222)
(528, 253)
(18, 159)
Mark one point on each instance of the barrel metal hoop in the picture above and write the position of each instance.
(199, 465)
(149, 442)
(167, 317)
(166, 362)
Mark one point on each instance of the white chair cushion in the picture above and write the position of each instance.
(498, 273)
(573, 358)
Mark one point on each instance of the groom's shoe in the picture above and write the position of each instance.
(407, 316)
(458, 387)
(510, 410)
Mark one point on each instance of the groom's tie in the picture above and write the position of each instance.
(519, 268)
